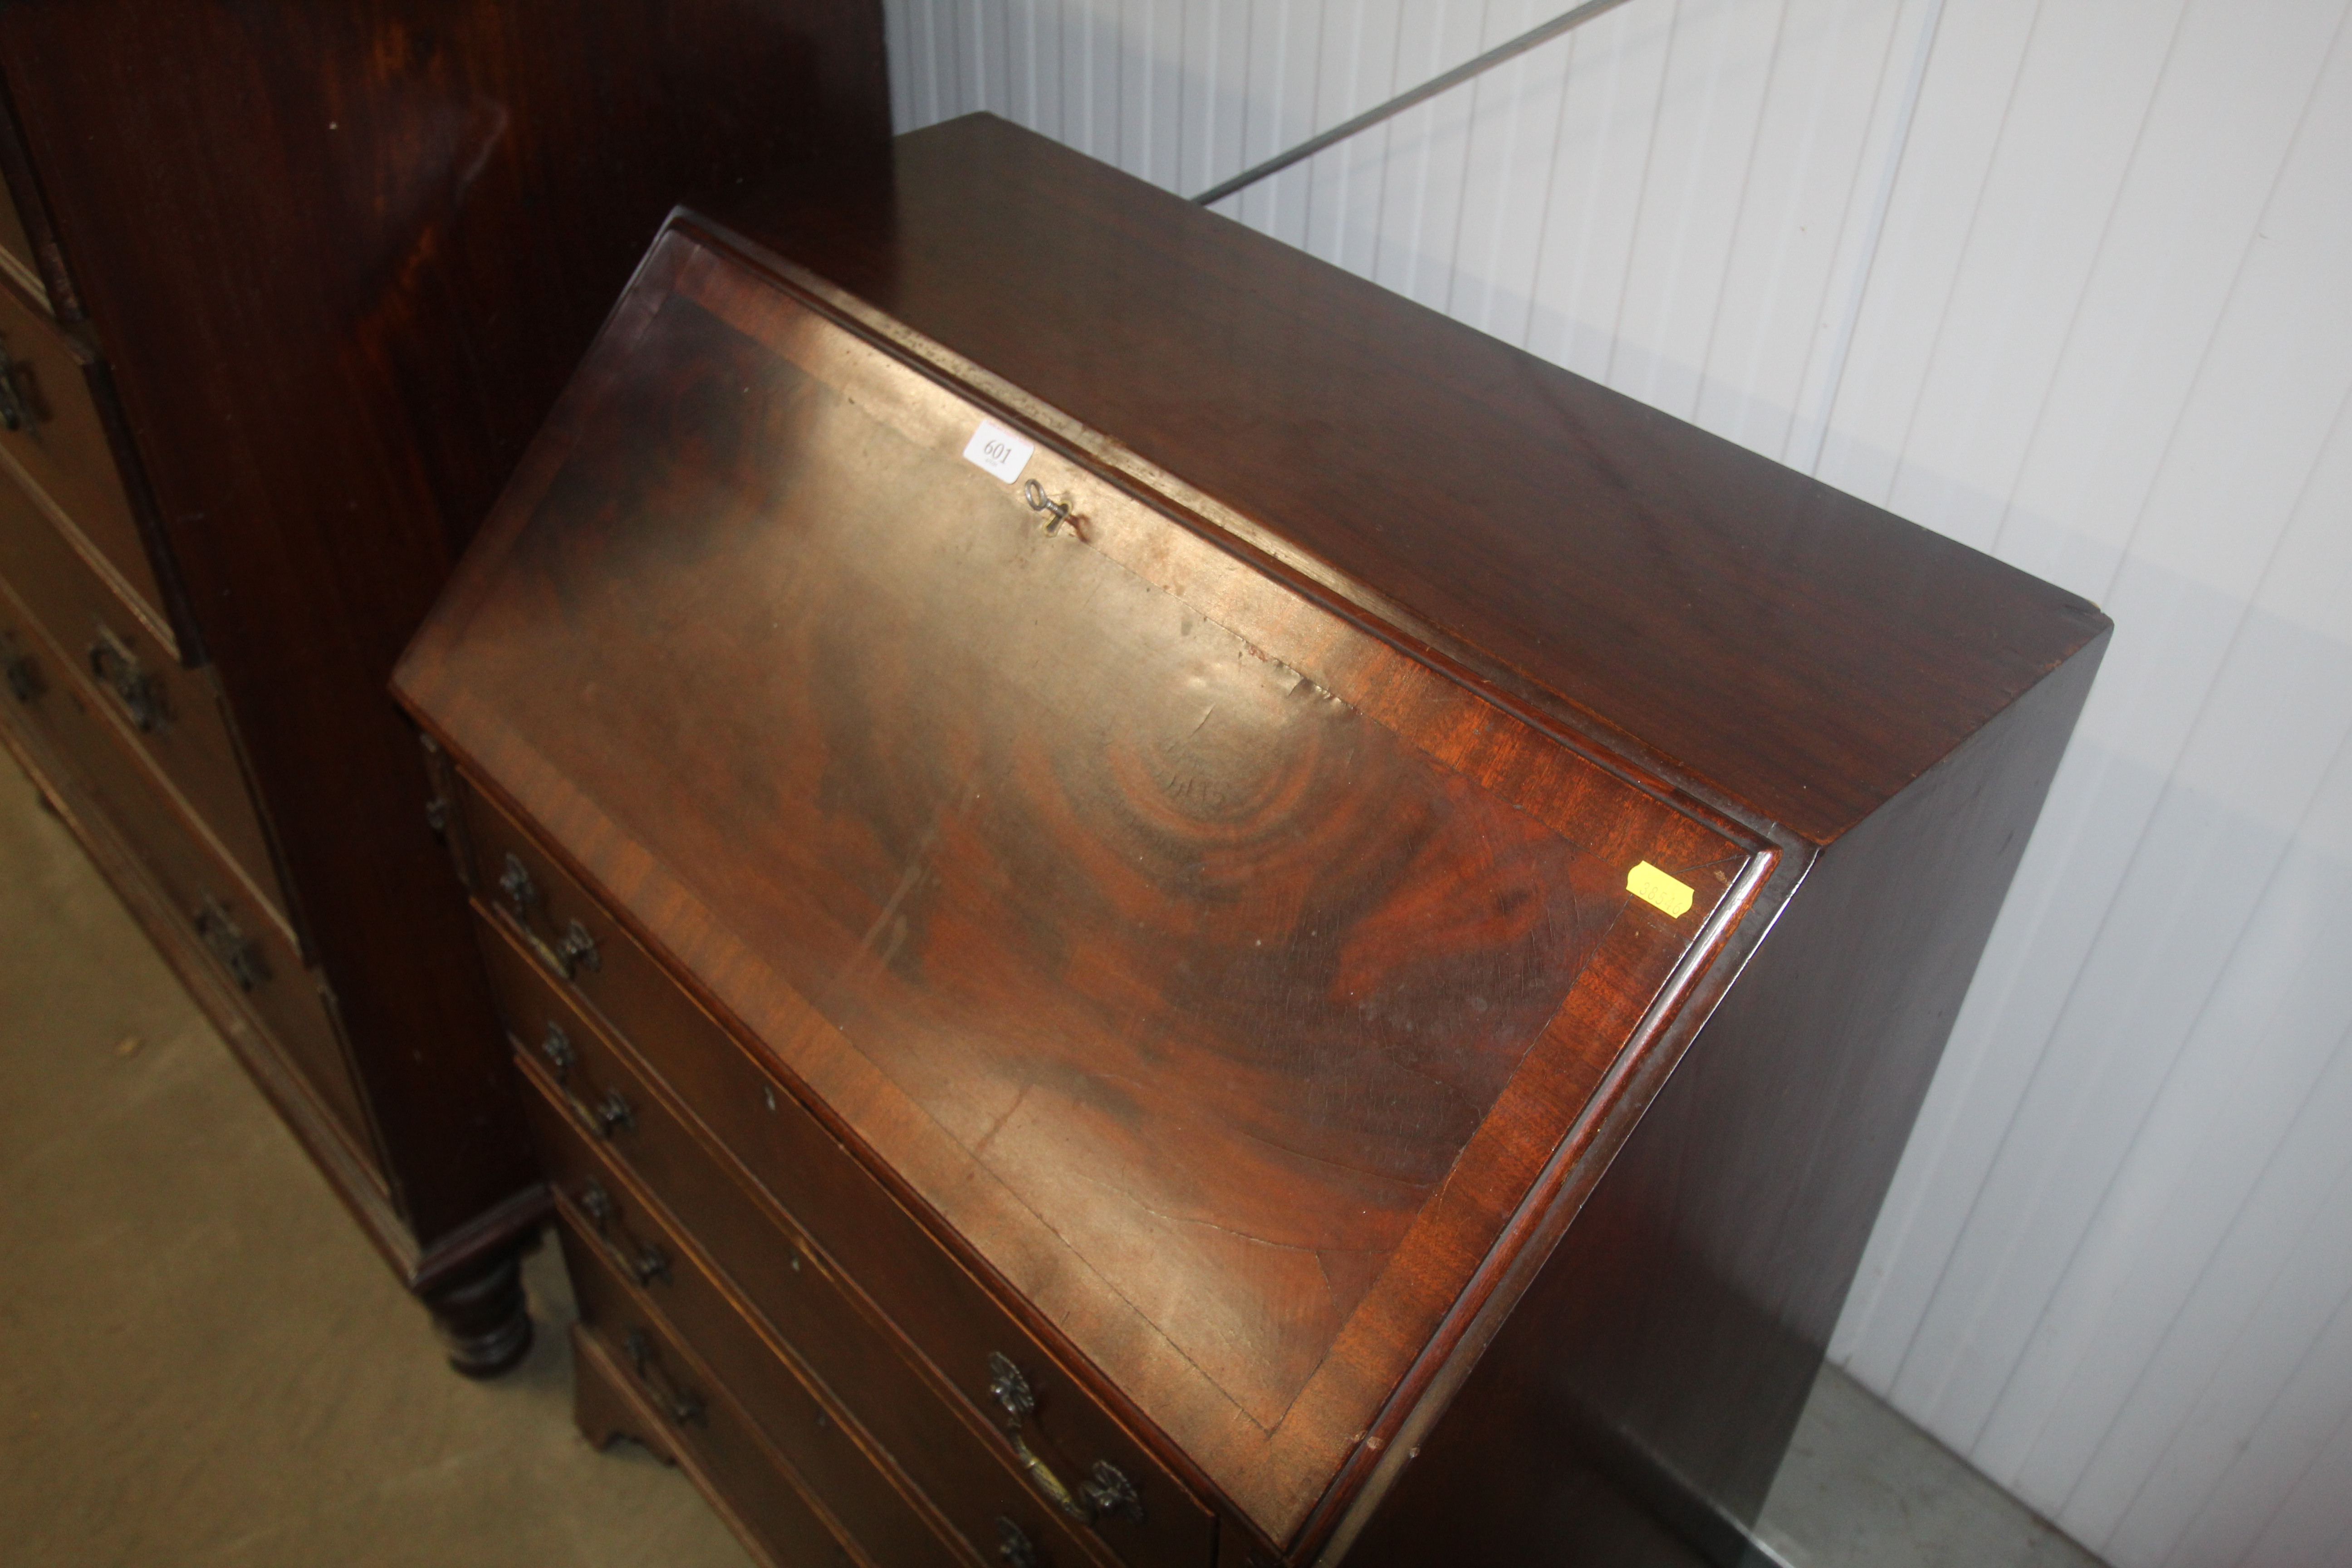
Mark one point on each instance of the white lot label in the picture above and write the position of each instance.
(998, 450)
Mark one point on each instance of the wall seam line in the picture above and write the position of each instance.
(1849, 315)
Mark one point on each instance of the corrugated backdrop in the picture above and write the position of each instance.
(2071, 282)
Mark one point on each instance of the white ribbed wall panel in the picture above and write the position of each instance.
(2071, 282)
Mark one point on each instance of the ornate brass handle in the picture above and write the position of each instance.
(118, 670)
(611, 1115)
(230, 947)
(1105, 1490)
(23, 670)
(1042, 1476)
(1108, 1490)
(16, 410)
(577, 948)
(1010, 1389)
(1014, 1547)
(647, 1264)
(682, 1406)
(522, 893)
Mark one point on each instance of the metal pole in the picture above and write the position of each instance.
(1404, 101)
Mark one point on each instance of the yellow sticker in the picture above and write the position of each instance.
(1648, 883)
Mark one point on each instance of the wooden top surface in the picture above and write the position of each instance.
(1802, 653)
(1223, 978)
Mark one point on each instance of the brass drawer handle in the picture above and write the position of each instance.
(22, 669)
(1106, 1488)
(19, 408)
(556, 1047)
(522, 893)
(647, 1264)
(1042, 1476)
(609, 1116)
(682, 1406)
(1014, 1547)
(230, 947)
(575, 951)
(1010, 1389)
(119, 670)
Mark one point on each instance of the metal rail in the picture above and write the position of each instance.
(1528, 40)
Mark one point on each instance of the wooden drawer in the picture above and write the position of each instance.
(59, 448)
(659, 1187)
(248, 940)
(172, 710)
(718, 1444)
(603, 1215)
(953, 1322)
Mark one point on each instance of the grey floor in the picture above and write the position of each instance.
(201, 1365)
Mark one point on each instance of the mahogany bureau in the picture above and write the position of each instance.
(1162, 909)
(284, 291)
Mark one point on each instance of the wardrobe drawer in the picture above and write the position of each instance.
(51, 437)
(172, 709)
(248, 941)
(715, 1439)
(700, 1211)
(953, 1322)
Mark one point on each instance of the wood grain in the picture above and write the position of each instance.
(1218, 978)
(1554, 533)
(822, 1248)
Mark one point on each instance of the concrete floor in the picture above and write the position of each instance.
(203, 1365)
(1863, 1487)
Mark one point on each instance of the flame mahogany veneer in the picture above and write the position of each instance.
(1155, 910)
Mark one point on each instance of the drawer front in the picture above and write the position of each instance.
(58, 445)
(602, 1216)
(247, 941)
(703, 1421)
(953, 1322)
(171, 709)
(967, 1474)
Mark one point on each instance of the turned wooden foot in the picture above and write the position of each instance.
(601, 1405)
(482, 1317)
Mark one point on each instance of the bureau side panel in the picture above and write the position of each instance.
(1635, 1407)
